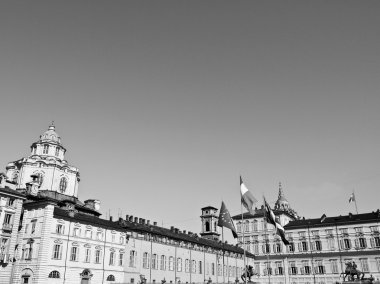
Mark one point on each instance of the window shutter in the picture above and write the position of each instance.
(302, 270)
(372, 242)
(299, 246)
(341, 244)
(63, 229)
(274, 248)
(313, 246)
(357, 243)
(263, 247)
(365, 242)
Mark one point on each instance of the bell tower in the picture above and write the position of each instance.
(209, 219)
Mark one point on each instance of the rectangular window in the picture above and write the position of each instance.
(213, 268)
(76, 232)
(200, 267)
(364, 264)
(99, 236)
(26, 228)
(112, 258)
(57, 151)
(163, 262)
(7, 219)
(46, 149)
(59, 229)
(87, 255)
(179, 264)
(132, 258)
(98, 255)
(88, 234)
(74, 254)
(33, 230)
(145, 260)
(171, 263)
(331, 243)
(334, 266)
(121, 257)
(57, 251)
(291, 247)
(154, 261)
(187, 266)
(292, 268)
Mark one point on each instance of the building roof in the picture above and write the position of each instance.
(123, 225)
(9, 191)
(349, 219)
(259, 213)
(209, 207)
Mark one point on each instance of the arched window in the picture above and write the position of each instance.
(63, 184)
(111, 278)
(207, 225)
(40, 178)
(54, 274)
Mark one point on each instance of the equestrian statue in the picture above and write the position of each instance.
(248, 272)
(352, 271)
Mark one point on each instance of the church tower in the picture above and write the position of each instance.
(45, 168)
(282, 204)
(209, 219)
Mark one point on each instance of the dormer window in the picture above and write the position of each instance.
(63, 185)
(46, 149)
(57, 151)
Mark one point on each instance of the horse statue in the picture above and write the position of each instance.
(352, 271)
(249, 271)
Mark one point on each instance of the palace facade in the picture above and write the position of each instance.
(47, 235)
(319, 248)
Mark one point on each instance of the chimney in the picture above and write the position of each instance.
(143, 221)
(184, 231)
(172, 228)
(148, 222)
(154, 223)
(136, 219)
(140, 221)
(130, 218)
(111, 218)
(126, 217)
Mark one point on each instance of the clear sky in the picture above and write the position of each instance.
(163, 104)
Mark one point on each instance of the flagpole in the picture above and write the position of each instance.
(356, 207)
(223, 253)
(267, 240)
(242, 228)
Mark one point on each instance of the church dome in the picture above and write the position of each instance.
(282, 203)
(50, 135)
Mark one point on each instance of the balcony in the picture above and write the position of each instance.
(7, 227)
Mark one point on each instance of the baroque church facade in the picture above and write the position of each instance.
(47, 235)
(319, 248)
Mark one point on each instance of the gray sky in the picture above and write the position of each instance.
(163, 104)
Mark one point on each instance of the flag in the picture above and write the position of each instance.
(323, 218)
(352, 198)
(271, 218)
(225, 220)
(246, 197)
